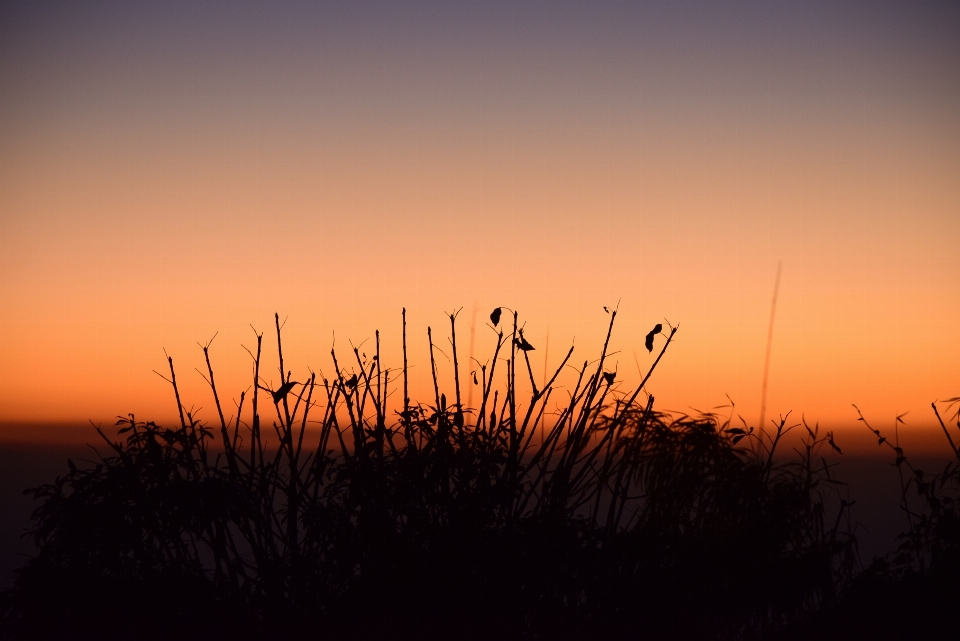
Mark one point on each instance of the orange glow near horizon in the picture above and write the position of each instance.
(152, 196)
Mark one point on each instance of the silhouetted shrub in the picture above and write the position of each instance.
(602, 519)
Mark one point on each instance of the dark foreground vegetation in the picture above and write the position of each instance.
(580, 512)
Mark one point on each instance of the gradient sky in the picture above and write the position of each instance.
(171, 170)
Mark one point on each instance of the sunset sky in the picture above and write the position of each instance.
(170, 171)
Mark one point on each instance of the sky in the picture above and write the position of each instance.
(171, 172)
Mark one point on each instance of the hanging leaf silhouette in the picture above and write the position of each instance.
(351, 382)
(609, 377)
(832, 444)
(495, 317)
(282, 392)
(737, 438)
(523, 344)
(474, 378)
(648, 343)
(605, 309)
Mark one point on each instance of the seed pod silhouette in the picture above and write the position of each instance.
(495, 317)
(475, 378)
(351, 382)
(609, 377)
(648, 343)
(283, 391)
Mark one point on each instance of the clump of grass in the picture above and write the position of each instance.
(931, 542)
(918, 580)
(575, 513)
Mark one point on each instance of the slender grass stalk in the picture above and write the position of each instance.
(766, 357)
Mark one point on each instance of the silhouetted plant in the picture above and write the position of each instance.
(918, 580)
(594, 516)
